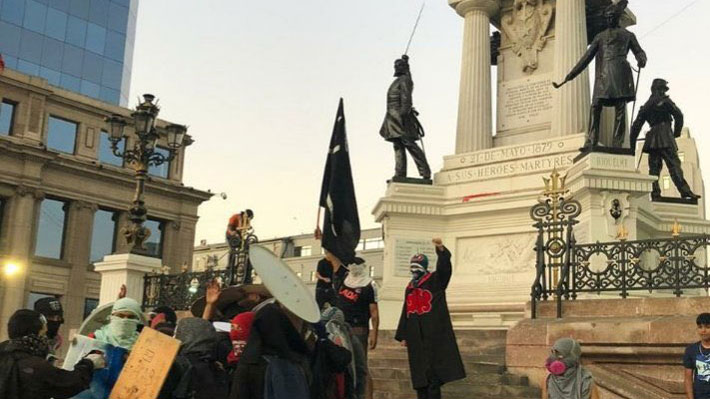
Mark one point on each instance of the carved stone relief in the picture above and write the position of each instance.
(526, 27)
(513, 253)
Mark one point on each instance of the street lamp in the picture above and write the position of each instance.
(142, 156)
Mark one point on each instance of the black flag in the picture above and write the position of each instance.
(341, 224)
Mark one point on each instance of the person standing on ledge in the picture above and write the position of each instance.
(425, 326)
(401, 126)
(613, 81)
(660, 111)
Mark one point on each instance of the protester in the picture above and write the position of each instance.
(330, 363)
(239, 335)
(164, 320)
(122, 329)
(341, 333)
(324, 286)
(25, 372)
(51, 309)
(567, 379)
(425, 326)
(697, 362)
(357, 298)
(274, 359)
(196, 373)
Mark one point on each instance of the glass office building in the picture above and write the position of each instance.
(81, 45)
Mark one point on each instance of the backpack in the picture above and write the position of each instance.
(202, 378)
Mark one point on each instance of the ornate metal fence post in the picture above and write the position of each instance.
(555, 216)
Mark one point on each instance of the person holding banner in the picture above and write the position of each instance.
(25, 372)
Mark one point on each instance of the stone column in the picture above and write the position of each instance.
(128, 269)
(79, 229)
(21, 215)
(475, 120)
(571, 101)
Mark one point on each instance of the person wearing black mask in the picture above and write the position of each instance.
(25, 372)
(51, 309)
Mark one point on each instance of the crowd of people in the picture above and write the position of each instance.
(270, 353)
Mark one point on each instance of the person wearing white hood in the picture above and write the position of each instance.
(357, 298)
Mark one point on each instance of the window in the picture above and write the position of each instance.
(36, 296)
(360, 246)
(154, 243)
(89, 305)
(372, 271)
(302, 251)
(374, 243)
(50, 229)
(105, 153)
(7, 117)
(161, 170)
(313, 276)
(666, 182)
(103, 236)
(681, 156)
(61, 135)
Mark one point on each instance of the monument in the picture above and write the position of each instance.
(480, 200)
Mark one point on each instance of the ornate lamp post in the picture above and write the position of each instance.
(143, 155)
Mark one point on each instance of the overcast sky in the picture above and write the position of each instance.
(258, 83)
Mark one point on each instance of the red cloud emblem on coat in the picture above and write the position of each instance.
(419, 301)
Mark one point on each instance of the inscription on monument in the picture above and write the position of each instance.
(404, 248)
(612, 162)
(524, 102)
(498, 255)
(525, 166)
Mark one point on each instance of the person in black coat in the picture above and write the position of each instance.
(25, 372)
(425, 326)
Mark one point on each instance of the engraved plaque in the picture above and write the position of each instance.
(524, 102)
(405, 248)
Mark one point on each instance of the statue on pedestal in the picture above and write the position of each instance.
(401, 126)
(614, 81)
(659, 112)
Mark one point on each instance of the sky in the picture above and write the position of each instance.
(258, 83)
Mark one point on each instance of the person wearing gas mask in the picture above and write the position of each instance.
(567, 379)
(425, 326)
(51, 309)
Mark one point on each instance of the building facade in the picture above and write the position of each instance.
(64, 195)
(85, 46)
(300, 252)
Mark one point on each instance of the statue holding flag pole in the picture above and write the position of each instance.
(401, 126)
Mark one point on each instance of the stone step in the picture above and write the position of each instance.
(471, 378)
(472, 367)
(459, 387)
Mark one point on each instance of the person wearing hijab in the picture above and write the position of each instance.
(196, 373)
(122, 329)
(25, 372)
(566, 378)
(425, 326)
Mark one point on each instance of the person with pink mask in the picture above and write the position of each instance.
(567, 378)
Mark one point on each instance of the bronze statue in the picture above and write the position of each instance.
(401, 126)
(614, 81)
(659, 112)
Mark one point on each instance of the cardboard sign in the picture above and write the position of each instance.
(146, 367)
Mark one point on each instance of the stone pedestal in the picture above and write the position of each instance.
(128, 269)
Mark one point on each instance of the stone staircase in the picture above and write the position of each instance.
(483, 354)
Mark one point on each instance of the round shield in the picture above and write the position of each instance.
(284, 284)
(97, 319)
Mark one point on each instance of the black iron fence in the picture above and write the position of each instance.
(179, 291)
(671, 264)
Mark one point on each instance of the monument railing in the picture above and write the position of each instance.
(670, 264)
